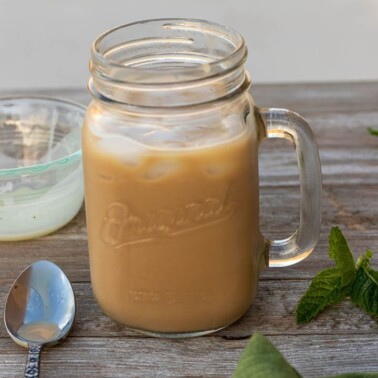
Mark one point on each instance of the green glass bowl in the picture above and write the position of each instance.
(41, 179)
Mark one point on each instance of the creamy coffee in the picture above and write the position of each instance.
(173, 223)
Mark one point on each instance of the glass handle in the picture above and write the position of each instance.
(282, 123)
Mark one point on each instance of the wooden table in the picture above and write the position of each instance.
(342, 339)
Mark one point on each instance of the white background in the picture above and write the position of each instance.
(45, 43)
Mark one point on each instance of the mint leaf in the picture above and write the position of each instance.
(339, 252)
(326, 288)
(364, 291)
(261, 359)
(373, 131)
(331, 285)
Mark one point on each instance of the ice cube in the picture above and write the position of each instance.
(218, 169)
(165, 138)
(160, 170)
(124, 149)
(233, 124)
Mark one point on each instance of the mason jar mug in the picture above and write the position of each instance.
(170, 150)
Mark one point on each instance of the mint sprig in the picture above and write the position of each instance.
(332, 285)
(261, 359)
(325, 289)
(339, 251)
(373, 131)
(364, 291)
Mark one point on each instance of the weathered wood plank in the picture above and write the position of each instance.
(348, 152)
(308, 98)
(332, 125)
(344, 129)
(71, 255)
(272, 313)
(355, 212)
(357, 165)
(321, 97)
(314, 356)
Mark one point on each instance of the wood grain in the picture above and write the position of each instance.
(357, 215)
(272, 313)
(342, 339)
(313, 356)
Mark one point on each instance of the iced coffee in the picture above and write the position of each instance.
(170, 146)
(173, 223)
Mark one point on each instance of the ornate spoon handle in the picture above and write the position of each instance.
(33, 362)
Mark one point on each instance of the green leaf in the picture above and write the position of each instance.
(364, 260)
(373, 131)
(326, 288)
(261, 359)
(339, 251)
(364, 291)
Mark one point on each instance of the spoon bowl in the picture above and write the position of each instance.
(40, 310)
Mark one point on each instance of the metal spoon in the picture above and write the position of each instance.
(39, 311)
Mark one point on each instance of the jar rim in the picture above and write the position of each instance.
(103, 66)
